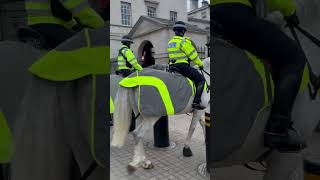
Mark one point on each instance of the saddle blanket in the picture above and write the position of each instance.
(160, 92)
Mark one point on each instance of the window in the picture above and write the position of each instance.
(152, 11)
(204, 14)
(173, 16)
(126, 13)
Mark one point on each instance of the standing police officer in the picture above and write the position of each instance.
(181, 52)
(127, 61)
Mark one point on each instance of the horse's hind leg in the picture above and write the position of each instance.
(196, 117)
(284, 166)
(139, 158)
(202, 122)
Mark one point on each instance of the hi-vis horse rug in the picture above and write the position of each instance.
(114, 86)
(244, 92)
(160, 92)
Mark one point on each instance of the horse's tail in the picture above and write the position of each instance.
(122, 117)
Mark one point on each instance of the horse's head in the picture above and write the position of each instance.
(206, 68)
(307, 10)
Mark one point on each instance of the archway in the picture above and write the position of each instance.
(161, 127)
(146, 54)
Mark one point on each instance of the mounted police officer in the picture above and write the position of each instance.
(241, 24)
(181, 52)
(58, 20)
(127, 61)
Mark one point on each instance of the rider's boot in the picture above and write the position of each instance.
(280, 134)
(197, 97)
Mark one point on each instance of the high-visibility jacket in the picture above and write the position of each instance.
(39, 11)
(286, 7)
(181, 50)
(127, 59)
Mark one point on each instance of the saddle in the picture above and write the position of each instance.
(32, 37)
(173, 69)
(218, 31)
(120, 73)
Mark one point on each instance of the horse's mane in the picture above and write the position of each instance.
(206, 64)
(307, 10)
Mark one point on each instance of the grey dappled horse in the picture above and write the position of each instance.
(245, 99)
(51, 121)
(126, 101)
(187, 152)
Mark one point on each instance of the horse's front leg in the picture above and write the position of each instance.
(202, 122)
(196, 117)
(139, 158)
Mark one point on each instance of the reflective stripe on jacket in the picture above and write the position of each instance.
(286, 7)
(127, 59)
(180, 50)
(39, 11)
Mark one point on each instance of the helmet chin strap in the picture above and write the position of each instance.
(180, 33)
(127, 44)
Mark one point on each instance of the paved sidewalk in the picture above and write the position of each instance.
(171, 164)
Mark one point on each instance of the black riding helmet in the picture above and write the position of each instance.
(179, 27)
(126, 39)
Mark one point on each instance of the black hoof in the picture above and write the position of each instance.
(187, 152)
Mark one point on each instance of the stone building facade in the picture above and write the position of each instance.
(150, 26)
(125, 14)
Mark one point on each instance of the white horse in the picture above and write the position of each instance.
(122, 115)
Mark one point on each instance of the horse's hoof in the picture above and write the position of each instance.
(187, 152)
(147, 164)
(131, 169)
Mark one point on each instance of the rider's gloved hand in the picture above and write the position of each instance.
(201, 68)
(292, 20)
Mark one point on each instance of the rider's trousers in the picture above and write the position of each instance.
(268, 42)
(193, 74)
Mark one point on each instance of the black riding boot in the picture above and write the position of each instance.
(197, 97)
(279, 134)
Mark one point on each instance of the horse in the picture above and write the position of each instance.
(53, 122)
(237, 130)
(114, 85)
(126, 102)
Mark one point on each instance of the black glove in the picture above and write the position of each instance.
(292, 20)
(201, 68)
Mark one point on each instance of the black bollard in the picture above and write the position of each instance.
(207, 123)
(161, 133)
